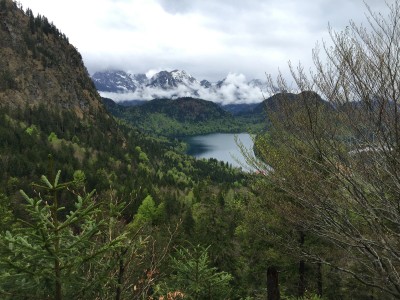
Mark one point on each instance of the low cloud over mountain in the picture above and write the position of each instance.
(122, 86)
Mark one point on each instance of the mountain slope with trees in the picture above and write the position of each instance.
(38, 65)
(191, 116)
(182, 117)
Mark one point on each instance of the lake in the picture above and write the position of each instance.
(221, 146)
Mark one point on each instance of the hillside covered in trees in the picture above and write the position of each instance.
(186, 116)
(95, 207)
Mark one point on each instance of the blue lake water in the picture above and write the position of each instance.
(221, 146)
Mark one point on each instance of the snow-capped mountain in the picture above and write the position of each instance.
(114, 81)
(173, 79)
(139, 79)
(120, 86)
(181, 77)
(164, 80)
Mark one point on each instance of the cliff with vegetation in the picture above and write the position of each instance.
(39, 66)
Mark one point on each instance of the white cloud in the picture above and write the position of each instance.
(208, 38)
(234, 89)
(152, 72)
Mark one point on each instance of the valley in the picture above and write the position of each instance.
(118, 185)
(98, 183)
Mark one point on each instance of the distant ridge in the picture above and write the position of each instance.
(183, 109)
(280, 101)
(180, 117)
(188, 116)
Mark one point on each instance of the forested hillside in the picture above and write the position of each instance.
(185, 116)
(191, 116)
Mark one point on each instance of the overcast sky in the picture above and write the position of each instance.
(206, 38)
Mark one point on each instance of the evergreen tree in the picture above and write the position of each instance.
(50, 254)
(192, 277)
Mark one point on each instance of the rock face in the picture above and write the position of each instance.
(163, 80)
(140, 79)
(169, 80)
(113, 81)
(205, 83)
(39, 66)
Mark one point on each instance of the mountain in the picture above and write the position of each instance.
(182, 109)
(181, 117)
(113, 81)
(280, 104)
(238, 109)
(188, 116)
(38, 66)
(181, 77)
(125, 86)
(162, 80)
(169, 80)
(280, 101)
(205, 83)
(139, 79)
(192, 116)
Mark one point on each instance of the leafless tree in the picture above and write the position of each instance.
(339, 158)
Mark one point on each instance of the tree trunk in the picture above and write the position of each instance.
(57, 241)
(121, 272)
(58, 286)
(272, 284)
(302, 280)
(319, 280)
(120, 279)
(302, 271)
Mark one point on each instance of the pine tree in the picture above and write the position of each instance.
(192, 277)
(49, 256)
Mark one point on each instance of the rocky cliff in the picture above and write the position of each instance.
(39, 66)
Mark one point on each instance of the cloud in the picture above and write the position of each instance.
(234, 89)
(150, 73)
(206, 37)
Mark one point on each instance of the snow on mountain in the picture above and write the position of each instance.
(181, 77)
(113, 81)
(168, 80)
(139, 79)
(164, 80)
(120, 86)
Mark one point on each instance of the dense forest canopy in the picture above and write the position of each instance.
(187, 116)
